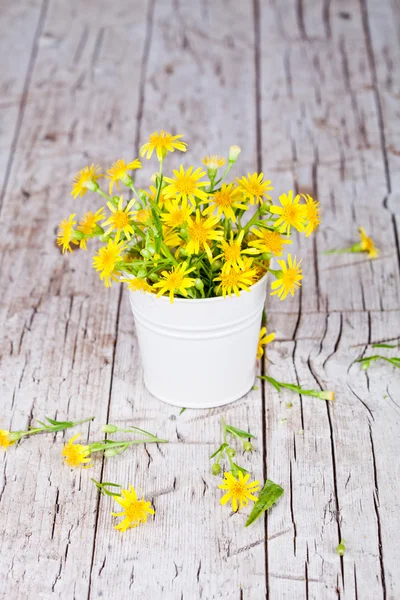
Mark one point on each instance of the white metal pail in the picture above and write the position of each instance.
(199, 353)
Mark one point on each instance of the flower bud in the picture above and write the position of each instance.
(91, 185)
(145, 253)
(231, 452)
(127, 180)
(216, 265)
(151, 248)
(199, 285)
(109, 428)
(215, 469)
(247, 446)
(142, 273)
(233, 155)
(154, 277)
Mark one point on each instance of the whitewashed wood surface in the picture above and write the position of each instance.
(311, 92)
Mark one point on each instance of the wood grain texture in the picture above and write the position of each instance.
(309, 90)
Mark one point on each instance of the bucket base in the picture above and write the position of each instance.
(199, 406)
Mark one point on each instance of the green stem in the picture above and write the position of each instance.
(252, 221)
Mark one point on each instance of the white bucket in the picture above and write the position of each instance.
(199, 353)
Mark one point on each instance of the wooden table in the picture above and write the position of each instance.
(310, 90)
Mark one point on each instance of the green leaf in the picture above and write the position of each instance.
(384, 345)
(220, 449)
(182, 410)
(270, 493)
(238, 468)
(238, 432)
(272, 382)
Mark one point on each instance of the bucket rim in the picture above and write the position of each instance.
(214, 299)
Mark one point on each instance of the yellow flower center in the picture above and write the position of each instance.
(273, 241)
(108, 259)
(289, 277)
(120, 219)
(223, 199)
(175, 280)
(135, 511)
(291, 213)
(198, 232)
(143, 215)
(230, 279)
(74, 454)
(185, 184)
(239, 490)
(177, 217)
(232, 252)
(160, 141)
(255, 188)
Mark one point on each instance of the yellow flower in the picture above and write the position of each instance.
(201, 232)
(312, 214)
(175, 281)
(5, 439)
(120, 217)
(88, 223)
(270, 241)
(171, 238)
(254, 188)
(291, 213)
(142, 216)
(153, 195)
(186, 185)
(85, 180)
(66, 234)
(239, 491)
(213, 162)
(76, 455)
(137, 284)
(234, 281)
(162, 143)
(367, 245)
(176, 212)
(107, 259)
(232, 253)
(225, 200)
(290, 280)
(263, 340)
(134, 511)
(119, 172)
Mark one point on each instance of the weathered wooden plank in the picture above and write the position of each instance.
(330, 467)
(315, 143)
(22, 26)
(201, 551)
(57, 331)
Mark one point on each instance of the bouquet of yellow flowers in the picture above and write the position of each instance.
(191, 234)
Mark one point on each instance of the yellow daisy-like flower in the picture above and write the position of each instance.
(107, 259)
(134, 511)
(291, 213)
(66, 234)
(142, 216)
(119, 172)
(186, 185)
(76, 455)
(153, 195)
(234, 281)
(162, 142)
(88, 223)
(120, 217)
(171, 238)
(269, 241)
(312, 214)
(176, 213)
(85, 180)
(254, 188)
(225, 200)
(367, 245)
(201, 232)
(5, 439)
(137, 284)
(232, 253)
(175, 281)
(289, 282)
(213, 162)
(239, 491)
(263, 340)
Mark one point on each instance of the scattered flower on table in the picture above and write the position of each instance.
(135, 511)
(239, 490)
(8, 438)
(366, 244)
